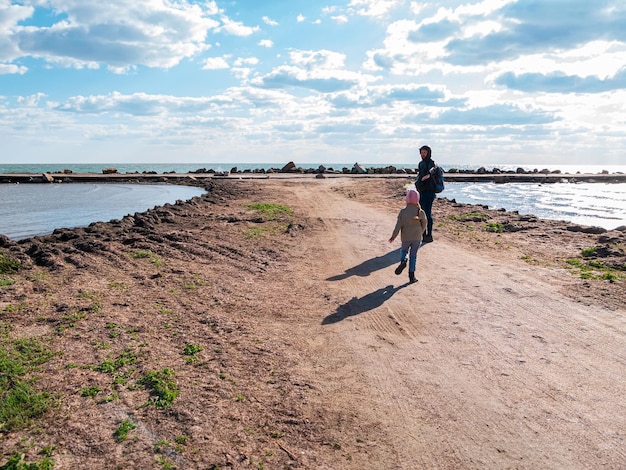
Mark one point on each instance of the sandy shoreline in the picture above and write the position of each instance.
(292, 343)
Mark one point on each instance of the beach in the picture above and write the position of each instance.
(261, 325)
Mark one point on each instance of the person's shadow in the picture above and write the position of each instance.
(356, 305)
(367, 267)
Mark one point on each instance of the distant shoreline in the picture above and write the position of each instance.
(291, 171)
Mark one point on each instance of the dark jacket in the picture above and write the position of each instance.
(424, 168)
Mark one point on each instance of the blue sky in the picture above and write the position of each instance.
(370, 81)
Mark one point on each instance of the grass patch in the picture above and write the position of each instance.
(17, 463)
(19, 401)
(470, 217)
(9, 265)
(146, 254)
(271, 211)
(595, 270)
(280, 215)
(191, 352)
(90, 391)
(111, 366)
(121, 433)
(6, 282)
(587, 252)
(162, 386)
(495, 227)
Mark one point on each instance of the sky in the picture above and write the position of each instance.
(340, 81)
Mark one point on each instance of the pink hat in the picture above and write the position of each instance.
(412, 197)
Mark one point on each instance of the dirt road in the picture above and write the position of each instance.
(300, 347)
(481, 364)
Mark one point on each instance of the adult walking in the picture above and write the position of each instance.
(425, 185)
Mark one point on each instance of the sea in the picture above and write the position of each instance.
(27, 210)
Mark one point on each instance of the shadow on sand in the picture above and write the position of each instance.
(369, 266)
(356, 306)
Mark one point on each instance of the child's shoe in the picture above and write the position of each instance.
(401, 266)
(412, 278)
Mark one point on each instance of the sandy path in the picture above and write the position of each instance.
(481, 364)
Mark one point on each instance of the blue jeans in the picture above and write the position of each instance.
(426, 201)
(410, 248)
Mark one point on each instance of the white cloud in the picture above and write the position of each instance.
(322, 59)
(375, 8)
(215, 63)
(300, 18)
(245, 61)
(341, 19)
(12, 69)
(117, 33)
(266, 43)
(237, 28)
(137, 104)
(270, 22)
(32, 100)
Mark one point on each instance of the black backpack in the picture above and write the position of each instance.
(436, 174)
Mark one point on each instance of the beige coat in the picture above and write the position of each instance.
(411, 223)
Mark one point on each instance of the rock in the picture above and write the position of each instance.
(109, 171)
(359, 169)
(289, 167)
(47, 178)
(321, 169)
(585, 229)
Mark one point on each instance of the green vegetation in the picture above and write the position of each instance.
(595, 269)
(12, 308)
(121, 433)
(17, 463)
(6, 282)
(191, 352)
(495, 227)
(281, 215)
(255, 232)
(9, 265)
(145, 254)
(69, 321)
(127, 357)
(587, 252)
(162, 386)
(19, 401)
(271, 211)
(471, 217)
(90, 391)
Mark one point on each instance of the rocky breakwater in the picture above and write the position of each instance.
(520, 175)
(480, 174)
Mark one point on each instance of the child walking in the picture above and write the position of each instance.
(411, 224)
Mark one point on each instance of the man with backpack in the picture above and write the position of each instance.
(425, 185)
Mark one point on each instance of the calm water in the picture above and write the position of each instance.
(27, 210)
